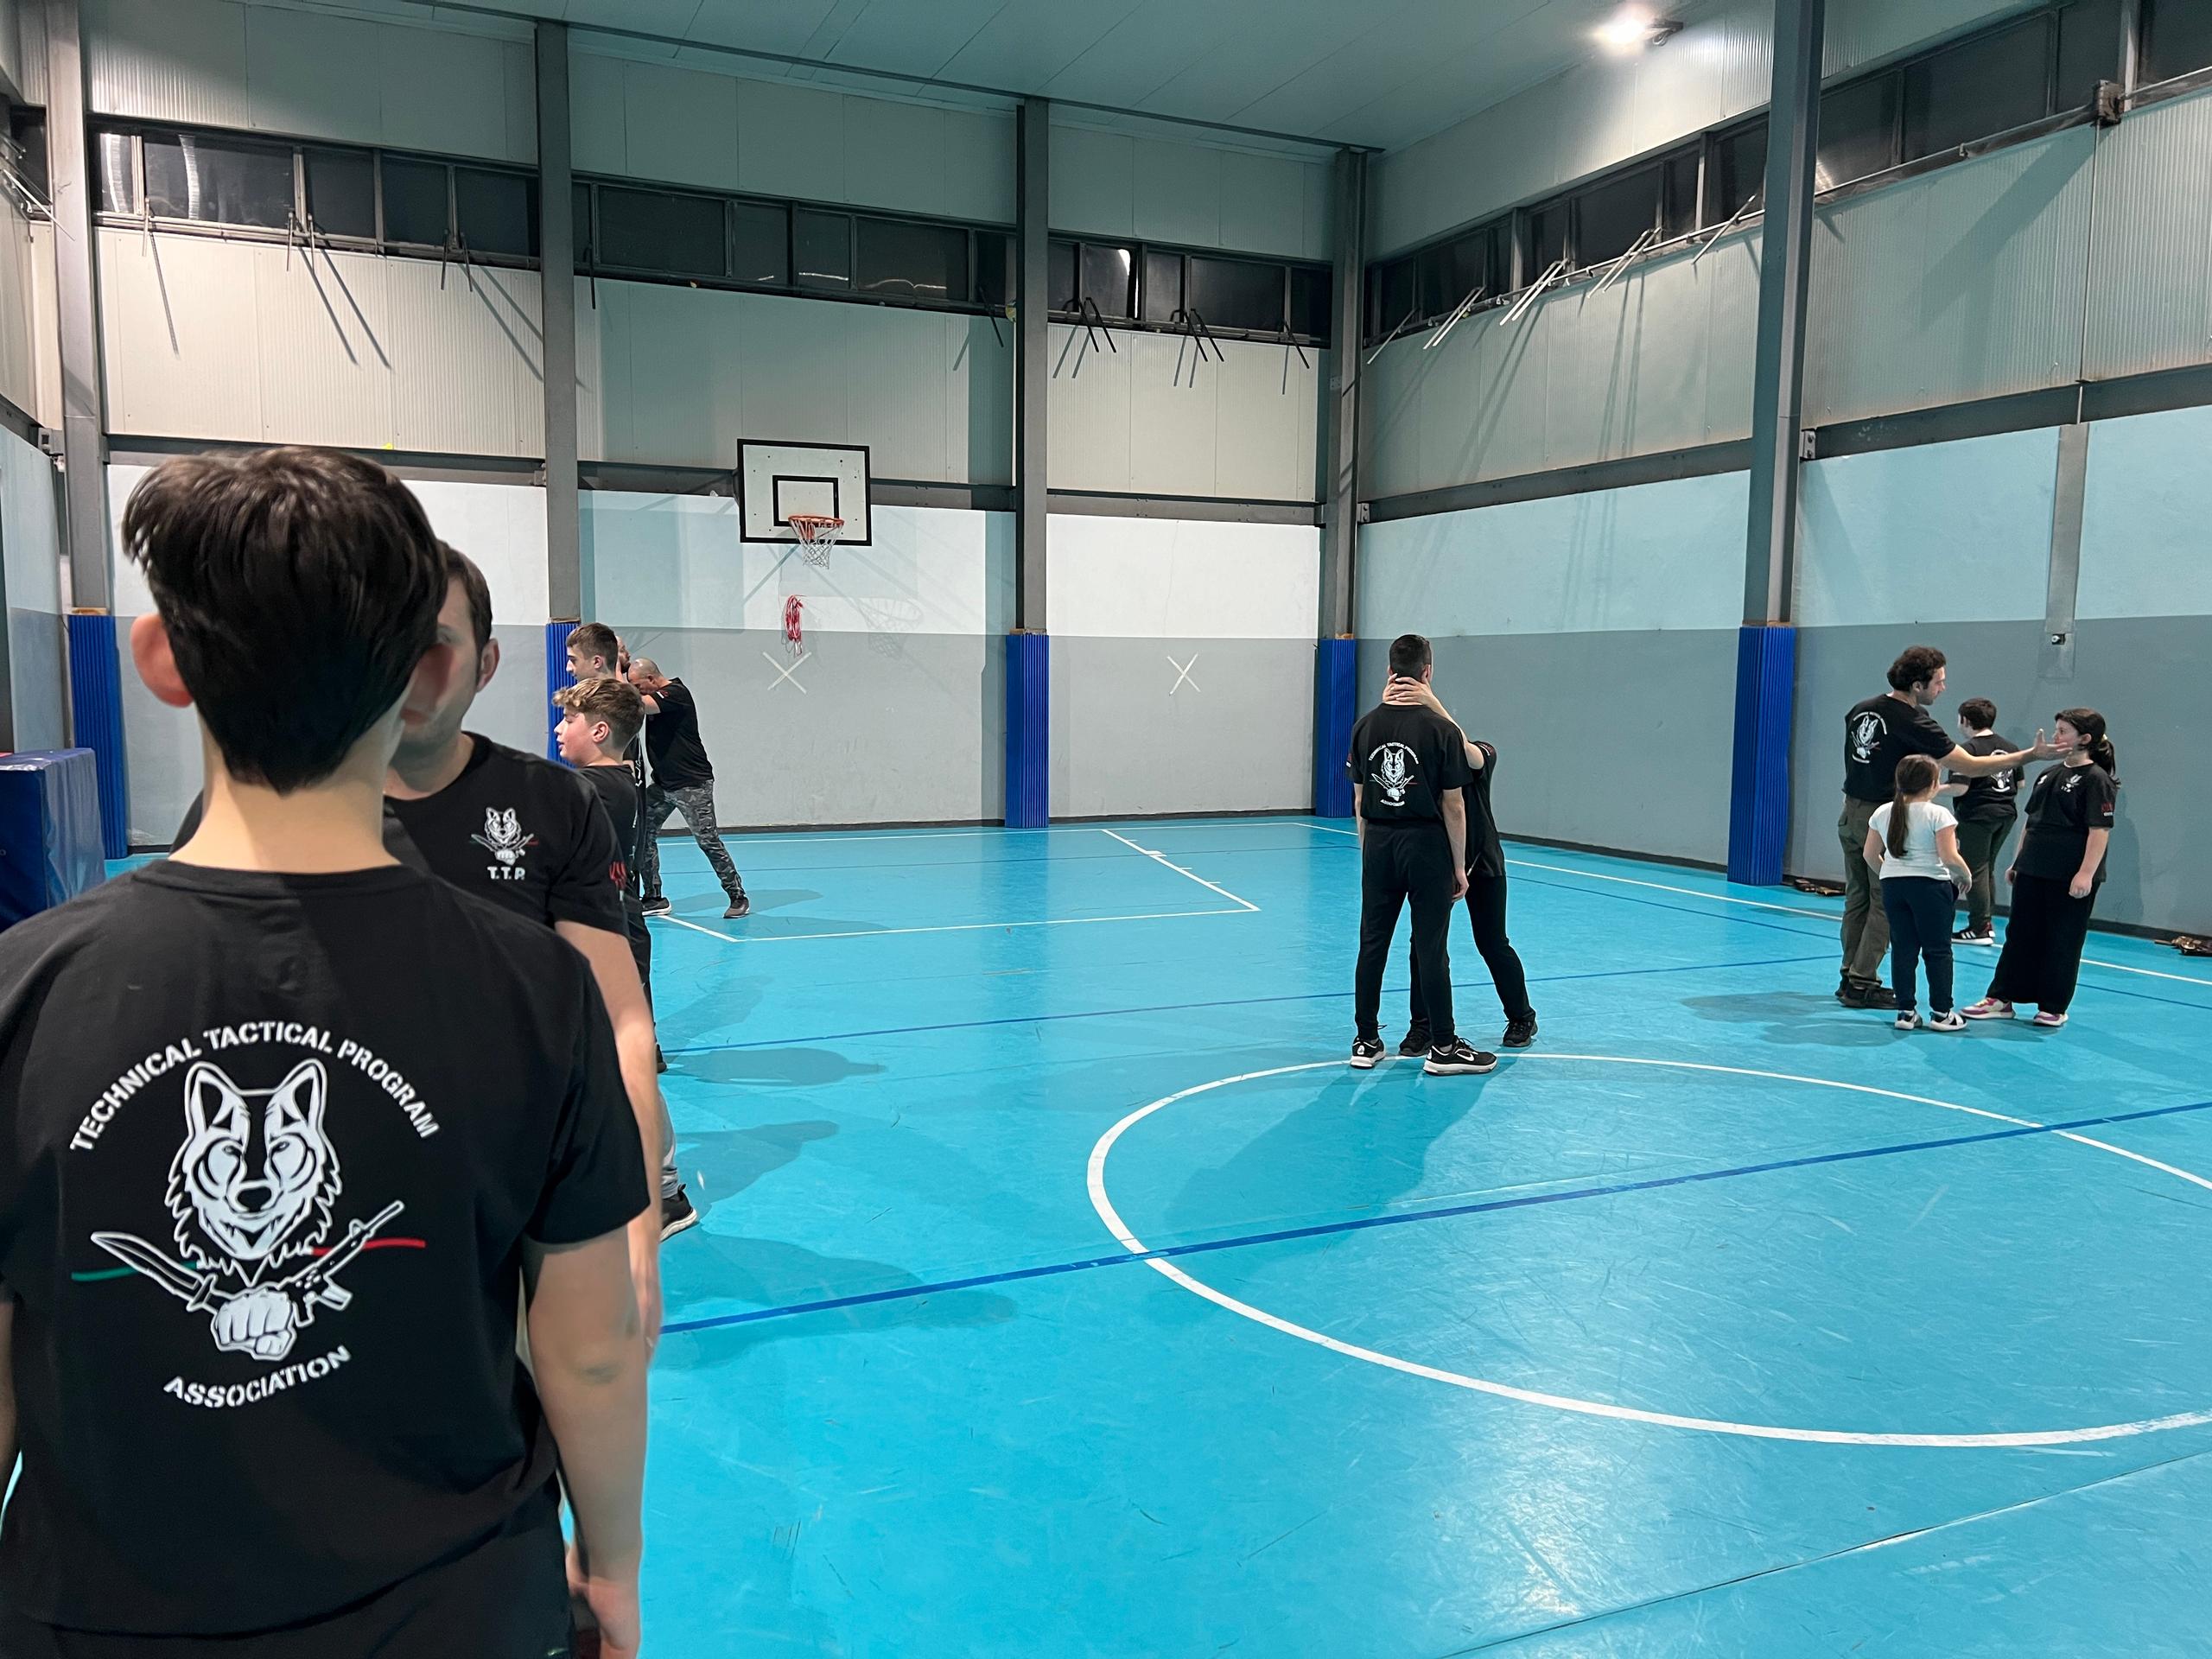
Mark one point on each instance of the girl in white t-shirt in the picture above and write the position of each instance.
(1912, 845)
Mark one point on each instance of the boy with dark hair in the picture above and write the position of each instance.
(594, 650)
(1988, 809)
(599, 722)
(682, 781)
(1877, 734)
(1408, 765)
(231, 1084)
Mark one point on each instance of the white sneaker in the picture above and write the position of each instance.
(1949, 1019)
(1908, 1020)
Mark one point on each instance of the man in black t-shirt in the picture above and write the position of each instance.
(270, 1192)
(1408, 768)
(1877, 734)
(1988, 809)
(595, 652)
(682, 781)
(528, 835)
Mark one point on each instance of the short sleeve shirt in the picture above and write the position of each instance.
(1877, 734)
(1926, 821)
(1405, 761)
(1994, 799)
(265, 1184)
(2065, 806)
(679, 753)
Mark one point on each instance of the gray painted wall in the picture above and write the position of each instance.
(37, 647)
(1236, 737)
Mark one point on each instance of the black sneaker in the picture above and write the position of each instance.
(1519, 1033)
(1415, 1045)
(677, 1215)
(1987, 936)
(1364, 1053)
(739, 906)
(1868, 996)
(654, 905)
(1458, 1057)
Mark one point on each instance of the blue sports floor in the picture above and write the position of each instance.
(1060, 1292)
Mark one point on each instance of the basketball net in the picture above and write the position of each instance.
(817, 535)
(794, 630)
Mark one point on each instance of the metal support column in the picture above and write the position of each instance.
(1336, 666)
(84, 439)
(1028, 683)
(1758, 823)
(556, 218)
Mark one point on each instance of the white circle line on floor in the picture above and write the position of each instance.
(1130, 1242)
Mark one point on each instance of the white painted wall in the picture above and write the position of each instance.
(1174, 579)
(1115, 183)
(466, 87)
(37, 647)
(697, 126)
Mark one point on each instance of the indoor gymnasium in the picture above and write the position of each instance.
(764, 766)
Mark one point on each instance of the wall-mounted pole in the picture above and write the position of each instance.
(1028, 661)
(1336, 666)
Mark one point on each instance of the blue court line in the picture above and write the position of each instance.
(1239, 1002)
(1488, 1206)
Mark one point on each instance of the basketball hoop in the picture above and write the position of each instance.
(817, 535)
(794, 631)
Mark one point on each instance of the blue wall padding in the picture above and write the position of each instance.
(1028, 730)
(557, 676)
(1758, 785)
(49, 830)
(96, 711)
(1336, 706)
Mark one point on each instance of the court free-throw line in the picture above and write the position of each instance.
(1760, 904)
(952, 927)
(1162, 858)
(1136, 1247)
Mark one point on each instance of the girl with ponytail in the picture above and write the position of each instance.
(2055, 877)
(1912, 845)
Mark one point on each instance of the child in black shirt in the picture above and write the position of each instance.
(270, 1192)
(1987, 807)
(2055, 877)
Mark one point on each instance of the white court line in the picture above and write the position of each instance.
(1162, 858)
(1135, 1246)
(1757, 903)
(953, 927)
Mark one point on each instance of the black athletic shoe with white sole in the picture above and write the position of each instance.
(739, 906)
(1519, 1033)
(1415, 1045)
(1986, 937)
(1458, 1059)
(677, 1215)
(1365, 1053)
(1868, 996)
(654, 905)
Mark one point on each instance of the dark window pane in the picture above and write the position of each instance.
(900, 260)
(1546, 238)
(823, 243)
(498, 211)
(587, 238)
(1394, 297)
(1110, 279)
(415, 203)
(1612, 215)
(2177, 38)
(1859, 132)
(1737, 172)
(993, 270)
(342, 193)
(2089, 50)
(1680, 210)
(1309, 302)
(1163, 285)
(1985, 87)
(1060, 277)
(761, 235)
(218, 183)
(1237, 294)
(1431, 283)
(111, 161)
(29, 128)
(654, 230)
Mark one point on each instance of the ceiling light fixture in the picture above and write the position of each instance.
(1634, 27)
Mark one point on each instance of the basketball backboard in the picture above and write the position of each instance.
(775, 480)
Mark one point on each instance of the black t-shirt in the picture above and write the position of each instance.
(672, 740)
(1877, 734)
(2066, 804)
(1991, 800)
(1485, 853)
(512, 828)
(1404, 759)
(264, 1186)
(618, 792)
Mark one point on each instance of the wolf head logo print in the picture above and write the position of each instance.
(1393, 771)
(250, 1190)
(1866, 732)
(503, 837)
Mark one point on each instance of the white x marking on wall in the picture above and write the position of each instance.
(786, 670)
(1183, 674)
